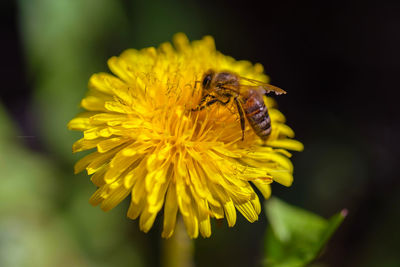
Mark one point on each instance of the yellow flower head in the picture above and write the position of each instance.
(150, 144)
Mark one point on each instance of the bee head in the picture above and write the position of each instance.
(208, 76)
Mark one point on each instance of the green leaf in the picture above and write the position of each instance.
(295, 236)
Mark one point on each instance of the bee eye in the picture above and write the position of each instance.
(206, 80)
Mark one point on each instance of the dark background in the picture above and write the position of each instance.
(339, 61)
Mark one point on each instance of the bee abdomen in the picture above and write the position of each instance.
(258, 117)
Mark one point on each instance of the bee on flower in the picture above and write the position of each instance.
(186, 152)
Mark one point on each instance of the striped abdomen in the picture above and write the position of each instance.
(257, 115)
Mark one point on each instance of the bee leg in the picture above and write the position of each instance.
(241, 115)
(209, 103)
(198, 108)
(201, 105)
(226, 102)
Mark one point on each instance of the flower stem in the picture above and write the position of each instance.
(177, 251)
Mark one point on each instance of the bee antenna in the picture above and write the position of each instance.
(195, 86)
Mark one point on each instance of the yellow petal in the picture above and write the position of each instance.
(114, 198)
(155, 199)
(217, 211)
(181, 42)
(83, 144)
(273, 156)
(191, 223)
(230, 213)
(84, 162)
(97, 198)
(99, 161)
(265, 189)
(146, 220)
(157, 176)
(97, 132)
(135, 209)
(205, 227)
(105, 83)
(137, 173)
(282, 177)
(121, 69)
(170, 210)
(111, 119)
(204, 218)
(108, 144)
(276, 116)
(119, 164)
(93, 103)
(196, 180)
(283, 129)
(248, 211)
(256, 204)
(81, 122)
(138, 190)
(98, 177)
(118, 107)
(286, 143)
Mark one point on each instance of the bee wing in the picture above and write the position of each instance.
(261, 85)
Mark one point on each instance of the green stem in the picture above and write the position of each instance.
(178, 250)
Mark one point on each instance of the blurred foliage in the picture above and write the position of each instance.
(30, 225)
(295, 236)
(36, 230)
(64, 46)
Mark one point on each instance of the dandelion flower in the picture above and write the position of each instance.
(147, 142)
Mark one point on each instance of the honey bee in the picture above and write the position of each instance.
(222, 87)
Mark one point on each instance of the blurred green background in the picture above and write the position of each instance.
(339, 62)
